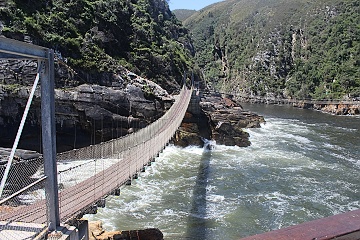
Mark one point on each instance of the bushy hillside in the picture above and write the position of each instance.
(183, 14)
(97, 38)
(285, 48)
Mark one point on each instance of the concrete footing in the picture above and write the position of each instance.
(66, 232)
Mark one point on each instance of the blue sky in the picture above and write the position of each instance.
(190, 4)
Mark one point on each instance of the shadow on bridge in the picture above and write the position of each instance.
(198, 224)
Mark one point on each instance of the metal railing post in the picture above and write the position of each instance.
(49, 140)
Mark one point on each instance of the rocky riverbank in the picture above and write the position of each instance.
(122, 103)
(335, 109)
(218, 118)
(345, 107)
(96, 232)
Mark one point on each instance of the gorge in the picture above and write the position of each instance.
(119, 64)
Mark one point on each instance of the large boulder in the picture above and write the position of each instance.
(20, 154)
(228, 119)
(96, 232)
(221, 119)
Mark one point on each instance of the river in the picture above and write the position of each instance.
(302, 165)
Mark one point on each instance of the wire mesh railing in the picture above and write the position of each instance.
(22, 182)
(23, 195)
(88, 174)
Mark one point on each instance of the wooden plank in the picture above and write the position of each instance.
(342, 226)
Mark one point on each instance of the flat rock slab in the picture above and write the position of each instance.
(20, 154)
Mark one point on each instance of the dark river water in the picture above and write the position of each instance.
(302, 165)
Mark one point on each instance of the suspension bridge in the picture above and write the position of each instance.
(110, 165)
(39, 195)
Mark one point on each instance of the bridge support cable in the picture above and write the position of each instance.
(19, 132)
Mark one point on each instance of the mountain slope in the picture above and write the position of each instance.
(98, 38)
(284, 48)
(183, 14)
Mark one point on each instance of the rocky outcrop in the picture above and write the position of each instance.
(96, 232)
(228, 119)
(220, 119)
(193, 130)
(336, 107)
(20, 154)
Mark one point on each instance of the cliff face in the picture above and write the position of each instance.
(280, 48)
(86, 114)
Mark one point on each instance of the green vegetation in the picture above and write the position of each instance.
(183, 14)
(280, 48)
(11, 88)
(100, 36)
(283, 48)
